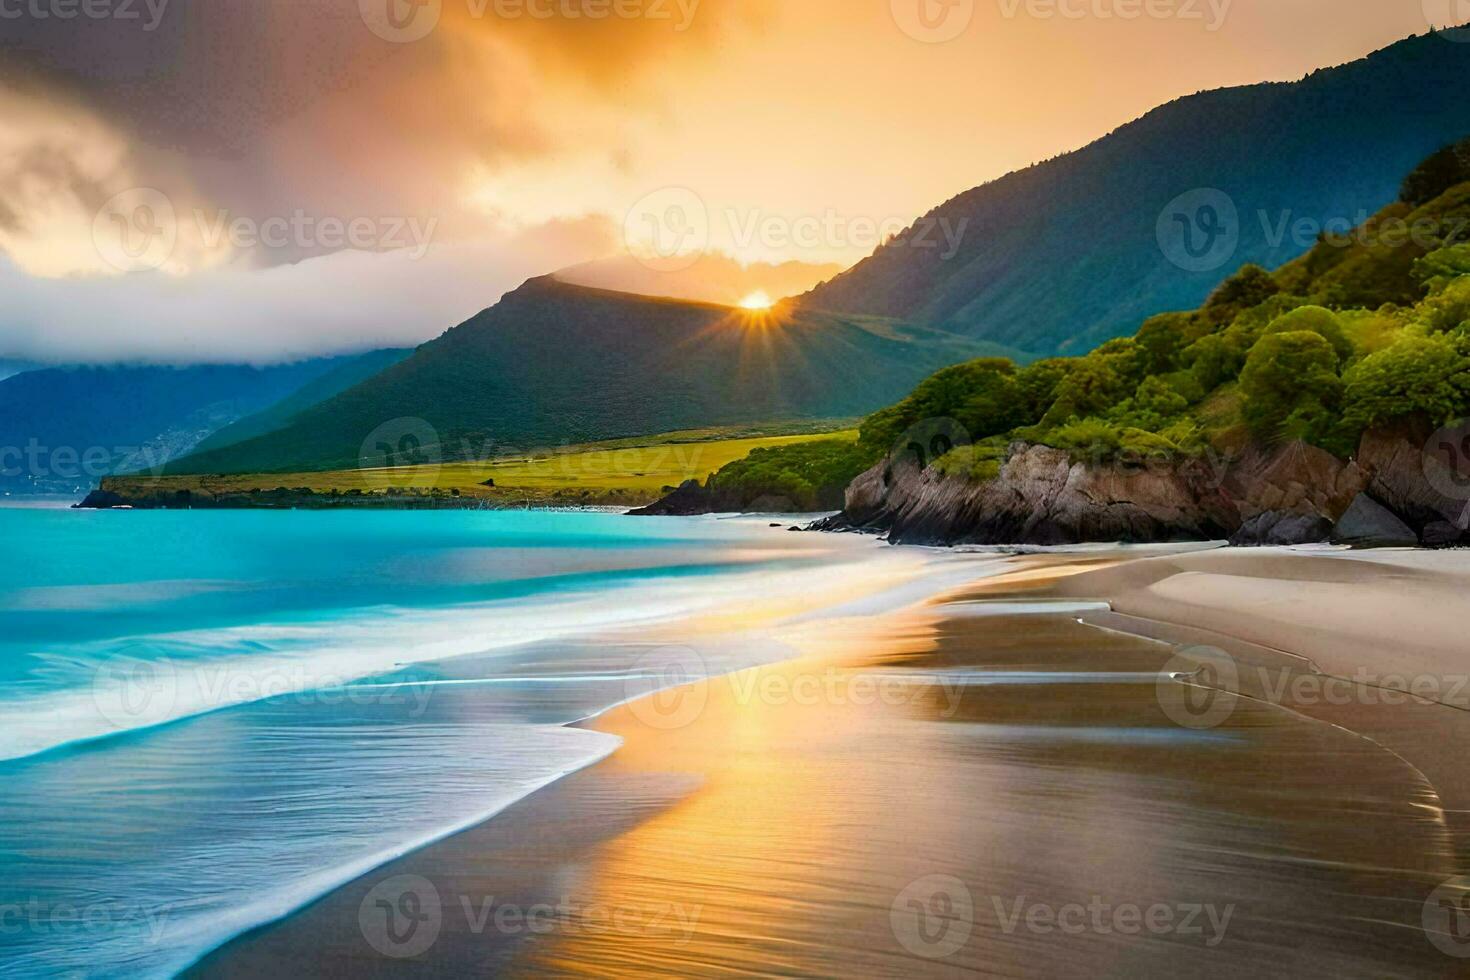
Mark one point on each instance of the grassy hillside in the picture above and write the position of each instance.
(1364, 329)
(556, 364)
(1065, 255)
(628, 472)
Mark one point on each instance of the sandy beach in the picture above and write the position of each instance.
(1105, 763)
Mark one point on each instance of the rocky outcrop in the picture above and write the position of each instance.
(1369, 524)
(280, 498)
(184, 493)
(689, 499)
(1392, 458)
(1040, 497)
(1277, 528)
(1285, 495)
(1293, 480)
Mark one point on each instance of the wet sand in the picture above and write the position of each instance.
(984, 784)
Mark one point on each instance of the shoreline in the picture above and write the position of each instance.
(581, 828)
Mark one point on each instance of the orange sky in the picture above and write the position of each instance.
(770, 129)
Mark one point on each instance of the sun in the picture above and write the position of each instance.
(757, 300)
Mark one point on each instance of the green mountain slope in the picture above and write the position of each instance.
(352, 371)
(553, 364)
(1066, 254)
(1367, 330)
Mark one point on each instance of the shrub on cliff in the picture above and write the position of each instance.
(1427, 375)
(1449, 308)
(812, 475)
(1437, 174)
(1318, 320)
(1291, 387)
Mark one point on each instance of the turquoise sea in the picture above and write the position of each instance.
(211, 718)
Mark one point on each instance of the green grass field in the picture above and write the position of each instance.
(627, 471)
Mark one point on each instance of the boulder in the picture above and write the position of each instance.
(1443, 534)
(1294, 478)
(1369, 524)
(1040, 497)
(101, 500)
(690, 499)
(1392, 456)
(1274, 527)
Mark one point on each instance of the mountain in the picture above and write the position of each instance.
(63, 428)
(712, 278)
(554, 363)
(1325, 400)
(350, 371)
(1069, 253)
(9, 368)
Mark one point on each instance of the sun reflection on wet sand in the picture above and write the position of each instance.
(814, 813)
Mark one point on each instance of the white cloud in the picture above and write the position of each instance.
(346, 301)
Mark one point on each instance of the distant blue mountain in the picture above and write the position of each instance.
(9, 368)
(61, 429)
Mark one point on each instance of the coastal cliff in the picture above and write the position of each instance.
(1290, 494)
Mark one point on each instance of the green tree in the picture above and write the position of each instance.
(1154, 405)
(1318, 320)
(1417, 374)
(1251, 286)
(1037, 385)
(1449, 308)
(1439, 172)
(1291, 387)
